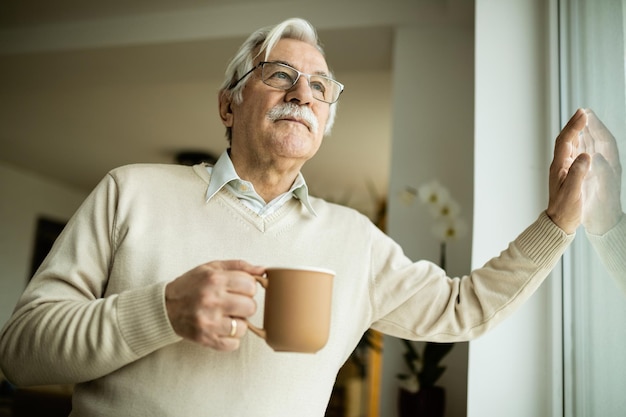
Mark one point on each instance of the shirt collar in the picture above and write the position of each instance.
(223, 172)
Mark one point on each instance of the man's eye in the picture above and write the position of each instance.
(282, 75)
(318, 86)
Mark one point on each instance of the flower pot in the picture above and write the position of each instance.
(427, 402)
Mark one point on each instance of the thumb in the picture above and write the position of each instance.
(576, 174)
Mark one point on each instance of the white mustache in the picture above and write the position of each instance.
(294, 111)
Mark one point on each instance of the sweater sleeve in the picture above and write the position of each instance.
(425, 304)
(63, 329)
(611, 248)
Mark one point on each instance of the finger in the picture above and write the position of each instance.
(605, 141)
(238, 275)
(586, 141)
(601, 165)
(224, 344)
(608, 183)
(565, 149)
(241, 283)
(567, 140)
(571, 130)
(240, 265)
(572, 185)
(234, 327)
(599, 131)
(237, 305)
(222, 334)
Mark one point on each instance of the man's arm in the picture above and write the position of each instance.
(62, 329)
(66, 329)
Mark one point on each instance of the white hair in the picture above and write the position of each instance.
(263, 40)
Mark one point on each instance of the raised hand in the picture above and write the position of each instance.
(567, 172)
(209, 303)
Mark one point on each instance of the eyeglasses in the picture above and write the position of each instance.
(284, 77)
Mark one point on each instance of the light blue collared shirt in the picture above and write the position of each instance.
(223, 174)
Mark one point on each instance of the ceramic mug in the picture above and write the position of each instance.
(297, 308)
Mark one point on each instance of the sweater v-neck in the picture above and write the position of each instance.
(232, 202)
(262, 223)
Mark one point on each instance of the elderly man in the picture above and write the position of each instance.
(142, 304)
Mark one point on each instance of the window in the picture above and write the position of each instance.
(594, 303)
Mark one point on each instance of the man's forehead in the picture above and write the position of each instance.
(297, 53)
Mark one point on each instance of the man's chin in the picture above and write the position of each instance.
(298, 125)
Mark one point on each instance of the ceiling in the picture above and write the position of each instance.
(20, 13)
(86, 86)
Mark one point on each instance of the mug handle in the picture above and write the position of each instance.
(256, 330)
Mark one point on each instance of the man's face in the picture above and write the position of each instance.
(256, 136)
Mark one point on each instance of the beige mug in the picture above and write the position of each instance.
(297, 308)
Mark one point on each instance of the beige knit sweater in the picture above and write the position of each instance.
(94, 314)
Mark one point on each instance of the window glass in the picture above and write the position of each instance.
(594, 279)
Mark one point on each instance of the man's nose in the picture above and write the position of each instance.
(300, 91)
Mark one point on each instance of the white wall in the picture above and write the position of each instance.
(432, 139)
(25, 197)
(511, 368)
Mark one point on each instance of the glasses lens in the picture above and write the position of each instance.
(279, 76)
(324, 88)
(282, 76)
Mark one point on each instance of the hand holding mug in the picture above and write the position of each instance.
(209, 303)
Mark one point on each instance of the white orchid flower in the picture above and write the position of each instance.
(449, 229)
(433, 194)
(448, 209)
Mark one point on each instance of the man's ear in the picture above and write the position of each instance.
(226, 113)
